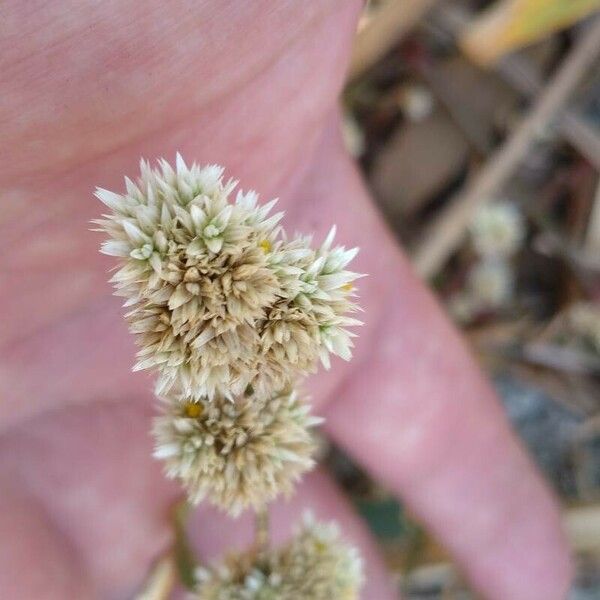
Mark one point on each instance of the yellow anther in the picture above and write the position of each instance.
(193, 409)
(348, 287)
(266, 246)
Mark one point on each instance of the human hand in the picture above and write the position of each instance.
(86, 90)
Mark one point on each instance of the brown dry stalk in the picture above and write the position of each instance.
(161, 580)
(384, 29)
(573, 127)
(446, 232)
(521, 75)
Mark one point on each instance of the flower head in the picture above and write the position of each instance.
(463, 306)
(309, 320)
(219, 299)
(315, 565)
(498, 230)
(238, 454)
(491, 283)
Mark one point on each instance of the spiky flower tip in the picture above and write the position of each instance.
(498, 230)
(219, 299)
(238, 454)
(315, 565)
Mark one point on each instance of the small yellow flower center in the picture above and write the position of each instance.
(266, 246)
(193, 409)
(348, 287)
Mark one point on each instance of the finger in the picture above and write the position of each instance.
(79, 124)
(215, 535)
(108, 77)
(104, 504)
(36, 561)
(416, 411)
(88, 471)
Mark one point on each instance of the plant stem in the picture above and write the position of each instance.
(261, 532)
(446, 232)
(185, 560)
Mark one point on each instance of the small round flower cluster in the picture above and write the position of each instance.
(230, 313)
(497, 234)
(219, 299)
(315, 565)
(238, 454)
(491, 283)
(497, 231)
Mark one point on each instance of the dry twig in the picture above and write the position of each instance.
(574, 128)
(387, 26)
(161, 581)
(447, 231)
(522, 76)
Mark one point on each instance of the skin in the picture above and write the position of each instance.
(88, 88)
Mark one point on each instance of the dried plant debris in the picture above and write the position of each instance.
(522, 277)
(584, 318)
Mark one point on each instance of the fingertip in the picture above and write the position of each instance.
(36, 560)
(532, 560)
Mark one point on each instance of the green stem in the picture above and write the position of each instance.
(261, 532)
(185, 560)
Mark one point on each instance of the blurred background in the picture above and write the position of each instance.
(477, 126)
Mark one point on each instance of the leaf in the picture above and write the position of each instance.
(511, 24)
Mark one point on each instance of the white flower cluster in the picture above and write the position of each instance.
(498, 230)
(219, 299)
(239, 454)
(497, 234)
(315, 565)
(230, 313)
(491, 283)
